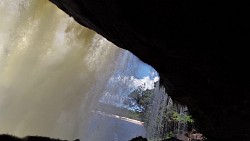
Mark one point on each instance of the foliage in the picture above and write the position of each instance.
(171, 121)
(183, 118)
(142, 98)
(169, 134)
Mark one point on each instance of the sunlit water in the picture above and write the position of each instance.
(54, 72)
(55, 76)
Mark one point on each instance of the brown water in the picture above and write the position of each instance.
(52, 71)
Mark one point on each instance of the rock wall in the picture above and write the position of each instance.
(198, 47)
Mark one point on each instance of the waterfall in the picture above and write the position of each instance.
(160, 123)
(61, 80)
(54, 73)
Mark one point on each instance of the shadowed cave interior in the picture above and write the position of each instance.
(199, 49)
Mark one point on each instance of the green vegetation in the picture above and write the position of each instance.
(142, 100)
(169, 123)
(183, 118)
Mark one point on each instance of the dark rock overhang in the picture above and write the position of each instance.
(199, 48)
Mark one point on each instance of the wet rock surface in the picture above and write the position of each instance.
(198, 47)
(140, 138)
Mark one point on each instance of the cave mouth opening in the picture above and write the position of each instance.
(62, 80)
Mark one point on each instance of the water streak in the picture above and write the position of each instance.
(159, 116)
(53, 71)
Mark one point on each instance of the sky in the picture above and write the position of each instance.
(145, 70)
(133, 74)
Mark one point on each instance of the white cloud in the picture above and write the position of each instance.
(119, 88)
(133, 83)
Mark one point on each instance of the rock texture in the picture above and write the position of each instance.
(140, 138)
(200, 49)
